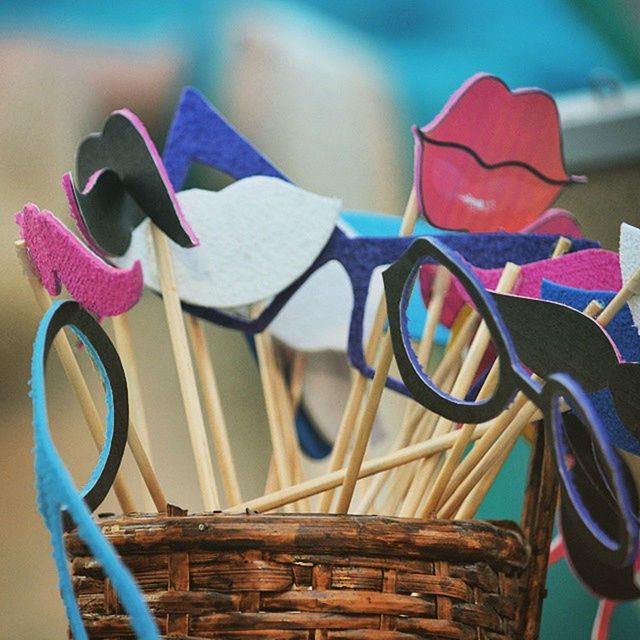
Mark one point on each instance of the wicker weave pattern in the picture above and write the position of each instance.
(311, 577)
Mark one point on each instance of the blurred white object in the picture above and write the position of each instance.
(600, 129)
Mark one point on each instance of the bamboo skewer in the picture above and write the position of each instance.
(146, 469)
(464, 437)
(186, 374)
(460, 388)
(478, 493)
(504, 443)
(364, 426)
(434, 310)
(213, 408)
(401, 479)
(286, 449)
(404, 475)
(335, 478)
(475, 498)
(359, 386)
(350, 415)
(266, 360)
(453, 355)
(124, 343)
(288, 426)
(296, 379)
(271, 483)
(506, 283)
(496, 426)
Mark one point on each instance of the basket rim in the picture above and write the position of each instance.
(500, 544)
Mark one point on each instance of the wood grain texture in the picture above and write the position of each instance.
(310, 576)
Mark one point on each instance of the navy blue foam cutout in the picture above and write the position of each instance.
(625, 335)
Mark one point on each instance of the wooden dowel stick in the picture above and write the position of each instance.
(496, 426)
(402, 476)
(506, 283)
(288, 426)
(373, 490)
(264, 350)
(352, 408)
(271, 483)
(407, 474)
(124, 344)
(364, 426)
(475, 498)
(460, 388)
(562, 246)
(478, 493)
(359, 386)
(631, 288)
(451, 357)
(414, 433)
(186, 373)
(286, 451)
(146, 469)
(434, 311)
(464, 436)
(439, 292)
(335, 478)
(74, 375)
(213, 408)
(298, 364)
(504, 443)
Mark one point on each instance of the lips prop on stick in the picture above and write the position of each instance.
(492, 159)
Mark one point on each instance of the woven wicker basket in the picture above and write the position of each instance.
(316, 577)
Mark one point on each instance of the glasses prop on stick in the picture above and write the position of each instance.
(500, 175)
(558, 390)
